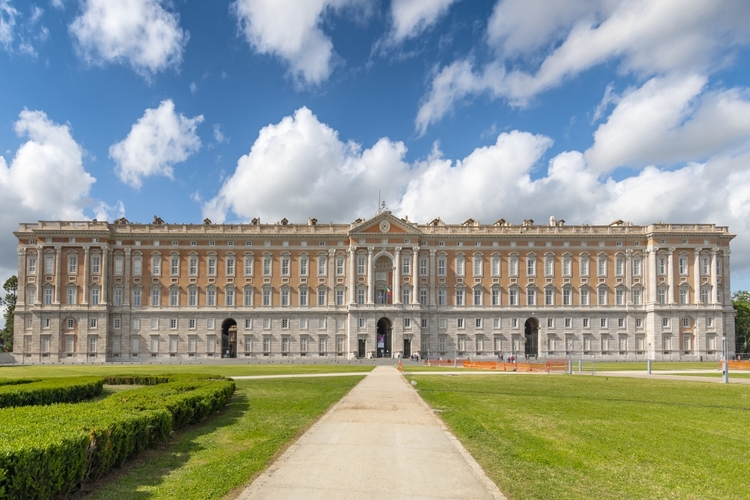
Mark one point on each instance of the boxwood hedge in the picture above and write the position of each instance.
(49, 451)
(25, 392)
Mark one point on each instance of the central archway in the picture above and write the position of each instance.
(531, 334)
(384, 338)
(229, 338)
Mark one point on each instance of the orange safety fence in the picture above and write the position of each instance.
(736, 365)
(547, 366)
(443, 362)
(400, 366)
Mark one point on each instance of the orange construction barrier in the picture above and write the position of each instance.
(443, 362)
(736, 365)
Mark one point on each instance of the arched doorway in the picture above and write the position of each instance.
(384, 338)
(383, 269)
(531, 334)
(229, 338)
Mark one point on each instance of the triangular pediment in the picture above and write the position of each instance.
(385, 223)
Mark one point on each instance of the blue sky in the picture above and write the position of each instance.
(588, 110)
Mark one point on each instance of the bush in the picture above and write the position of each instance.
(26, 392)
(51, 450)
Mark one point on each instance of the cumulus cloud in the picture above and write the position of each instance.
(8, 15)
(138, 33)
(157, 141)
(291, 30)
(300, 168)
(411, 17)
(45, 180)
(558, 42)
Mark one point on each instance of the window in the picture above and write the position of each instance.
(173, 324)
(303, 265)
(321, 296)
(442, 342)
(683, 295)
(32, 264)
(495, 266)
(619, 266)
(638, 322)
(211, 296)
(584, 296)
(637, 297)
(137, 265)
(405, 265)
(514, 323)
(620, 297)
(407, 323)
(705, 266)
(248, 323)
(303, 323)
(174, 297)
(661, 295)
(154, 323)
(92, 323)
(174, 265)
(322, 261)
(441, 262)
(155, 296)
(193, 297)
(513, 265)
(266, 297)
(602, 296)
(285, 266)
(155, 265)
(361, 295)
(496, 323)
(686, 322)
(321, 323)
(72, 294)
(548, 297)
(718, 266)
(229, 296)
(636, 266)
(96, 261)
(460, 323)
(566, 296)
(248, 264)
(585, 322)
(423, 267)
(549, 266)
(495, 296)
(531, 266)
(441, 297)
(566, 263)
(661, 265)
(665, 322)
(361, 264)
(266, 323)
(340, 297)
(285, 323)
(405, 295)
(72, 264)
(423, 297)
(667, 342)
(230, 266)
(362, 323)
(682, 264)
(550, 322)
(322, 344)
(513, 297)
(477, 296)
(424, 322)
(212, 266)
(568, 322)
(603, 322)
(459, 297)
(191, 324)
(267, 265)
(620, 322)
(137, 297)
(602, 265)
(193, 266)
(584, 265)
(531, 296)
(704, 295)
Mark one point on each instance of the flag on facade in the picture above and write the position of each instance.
(388, 291)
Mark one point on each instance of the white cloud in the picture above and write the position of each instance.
(219, 136)
(45, 180)
(58, 4)
(140, 33)
(157, 141)
(559, 40)
(8, 15)
(300, 168)
(291, 30)
(412, 17)
(670, 120)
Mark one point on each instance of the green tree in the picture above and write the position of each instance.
(741, 303)
(9, 301)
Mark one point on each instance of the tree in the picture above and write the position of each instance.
(9, 301)
(741, 303)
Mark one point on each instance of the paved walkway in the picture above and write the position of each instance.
(380, 441)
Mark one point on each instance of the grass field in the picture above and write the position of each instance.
(228, 370)
(212, 459)
(562, 437)
(600, 366)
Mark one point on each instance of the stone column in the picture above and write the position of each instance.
(670, 277)
(370, 277)
(105, 275)
(397, 277)
(432, 277)
(21, 300)
(331, 277)
(352, 256)
(415, 276)
(651, 274)
(39, 274)
(725, 275)
(126, 290)
(714, 279)
(58, 273)
(86, 274)
(697, 276)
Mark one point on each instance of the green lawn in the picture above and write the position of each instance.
(222, 454)
(562, 437)
(600, 366)
(228, 370)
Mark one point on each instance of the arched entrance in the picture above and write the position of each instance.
(383, 268)
(229, 338)
(531, 334)
(384, 338)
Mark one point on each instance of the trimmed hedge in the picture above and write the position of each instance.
(51, 450)
(26, 392)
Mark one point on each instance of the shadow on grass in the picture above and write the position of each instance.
(153, 466)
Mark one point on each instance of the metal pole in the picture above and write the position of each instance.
(648, 363)
(726, 357)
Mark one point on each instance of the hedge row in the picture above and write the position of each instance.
(47, 391)
(51, 450)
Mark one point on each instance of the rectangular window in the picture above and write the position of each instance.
(585, 322)
(406, 265)
(568, 322)
(620, 297)
(211, 297)
(704, 295)
(550, 323)
(513, 297)
(322, 344)
(322, 264)
(407, 323)
(478, 266)
(566, 266)
(637, 297)
(459, 297)
(619, 266)
(531, 297)
(665, 322)
(303, 297)
(285, 266)
(683, 295)
(682, 264)
(191, 324)
(32, 265)
(72, 294)
(229, 296)
(423, 267)
(584, 266)
(137, 297)
(441, 297)
(267, 266)
(248, 323)
(603, 322)
(584, 296)
(212, 266)
(424, 322)
(173, 324)
(441, 266)
(513, 266)
(478, 297)
(248, 262)
(156, 265)
(460, 323)
(155, 296)
(72, 264)
(548, 297)
(459, 266)
(361, 264)
(662, 265)
(709, 322)
(566, 296)
(92, 323)
(230, 266)
(496, 323)
(495, 296)
(303, 263)
(602, 265)
(340, 297)
(94, 296)
(321, 296)
(495, 266)
(174, 266)
(405, 295)
(423, 297)
(193, 297)
(549, 266)
(661, 295)
(266, 297)
(174, 297)
(602, 296)
(636, 266)
(530, 266)
(705, 266)
(96, 261)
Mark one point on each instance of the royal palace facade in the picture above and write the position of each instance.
(93, 291)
